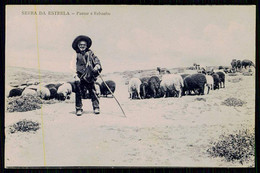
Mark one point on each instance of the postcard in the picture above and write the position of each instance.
(134, 86)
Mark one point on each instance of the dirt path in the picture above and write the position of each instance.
(156, 132)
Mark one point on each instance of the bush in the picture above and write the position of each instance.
(24, 126)
(238, 147)
(23, 103)
(233, 102)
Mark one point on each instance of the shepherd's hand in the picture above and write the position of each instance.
(96, 68)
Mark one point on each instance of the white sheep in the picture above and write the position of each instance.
(134, 87)
(210, 82)
(171, 83)
(44, 93)
(64, 91)
(28, 91)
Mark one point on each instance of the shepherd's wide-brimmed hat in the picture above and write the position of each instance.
(81, 38)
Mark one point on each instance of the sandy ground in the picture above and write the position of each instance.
(171, 132)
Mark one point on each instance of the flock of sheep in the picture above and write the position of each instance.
(60, 91)
(168, 85)
(177, 85)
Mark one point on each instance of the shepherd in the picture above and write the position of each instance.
(88, 67)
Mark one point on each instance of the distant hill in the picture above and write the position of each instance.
(21, 75)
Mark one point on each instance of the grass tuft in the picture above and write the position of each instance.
(24, 126)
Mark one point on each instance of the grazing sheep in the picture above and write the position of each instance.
(73, 85)
(154, 87)
(144, 87)
(246, 63)
(216, 80)
(196, 66)
(220, 67)
(28, 91)
(104, 90)
(210, 82)
(239, 64)
(134, 88)
(163, 71)
(15, 92)
(54, 85)
(195, 83)
(234, 63)
(228, 70)
(221, 78)
(171, 84)
(64, 91)
(53, 90)
(44, 93)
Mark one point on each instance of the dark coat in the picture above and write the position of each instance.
(85, 64)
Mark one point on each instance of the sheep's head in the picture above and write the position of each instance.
(61, 97)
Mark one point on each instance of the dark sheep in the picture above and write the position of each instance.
(216, 80)
(154, 87)
(221, 79)
(53, 90)
(228, 70)
(220, 67)
(104, 90)
(234, 64)
(239, 64)
(15, 92)
(246, 63)
(163, 70)
(195, 83)
(53, 85)
(144, 87)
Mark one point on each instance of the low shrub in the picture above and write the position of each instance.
(233, 102)
(24, 126)
(23, 103)
(234, 147)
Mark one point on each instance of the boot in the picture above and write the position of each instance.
(79, 112)
(96, 111)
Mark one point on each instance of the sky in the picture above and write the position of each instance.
(130, 37)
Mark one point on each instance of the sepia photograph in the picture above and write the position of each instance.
(130, 86)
